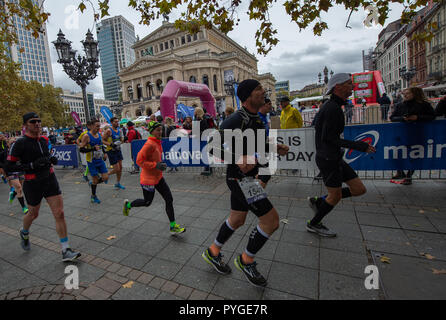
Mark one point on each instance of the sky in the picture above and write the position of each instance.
(298, 57)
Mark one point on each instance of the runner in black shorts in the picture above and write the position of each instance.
(241, 173)
(30, 154)
(329, 126)
(112, 139)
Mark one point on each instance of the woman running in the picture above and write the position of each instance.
(151, 178)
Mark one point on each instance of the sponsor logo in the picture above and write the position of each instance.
(371, 137)
(63, 155)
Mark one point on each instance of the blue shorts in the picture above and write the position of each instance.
(114, 157)
(96, 167)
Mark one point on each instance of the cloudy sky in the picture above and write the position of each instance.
(298, 57)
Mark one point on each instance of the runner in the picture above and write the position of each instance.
(30, 154)
(113, 138)
(95, 157)
(78, 142)
(241, 183)
(16, 182)
(151, 178)
(329, 127)
(3, 156)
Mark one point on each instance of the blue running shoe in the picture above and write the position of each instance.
(119, 186)
(95, 199)
(12, 195)
(70, 255)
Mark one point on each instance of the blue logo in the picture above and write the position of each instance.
(371, 137)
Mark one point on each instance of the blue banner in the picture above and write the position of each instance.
(106, 112)
(182, 152)
(185, 111)
(404, 146)
(235, 93)
(66, 155)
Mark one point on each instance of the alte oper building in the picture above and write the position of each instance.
(208, 57)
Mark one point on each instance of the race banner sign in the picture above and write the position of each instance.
(66, 155)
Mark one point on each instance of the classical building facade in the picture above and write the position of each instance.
(208, 57)
(436, 48)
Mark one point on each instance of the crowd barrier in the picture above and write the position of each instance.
(417, 146)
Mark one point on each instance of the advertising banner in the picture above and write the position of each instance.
(106, 112)
(365, 87)
(76, 118)
(66, 155)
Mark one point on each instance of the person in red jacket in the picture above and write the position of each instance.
(132, 133)
(151, 178)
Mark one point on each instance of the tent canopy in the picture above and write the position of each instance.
(297, 100)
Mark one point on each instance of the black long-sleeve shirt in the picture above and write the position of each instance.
(423, 110)
(329, 126)
(440, 110)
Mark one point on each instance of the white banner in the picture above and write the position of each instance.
(302, 151)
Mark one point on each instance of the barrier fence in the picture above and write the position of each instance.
(417, 146)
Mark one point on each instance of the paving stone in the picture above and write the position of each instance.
(183, 292)
(55, 296)
(116, 277)
(44, 296)
(270, 294)
(198, 295)
(48, 288)
(136, 292)
(108, 285)
(33, 296)
(145, 278)
(114, 267)
(96, 293)
(124, 271)
(13, 295)
(170, 286)
(157, 282)
(26, 291)
(340, 287)
(214, 297)
(134, 274)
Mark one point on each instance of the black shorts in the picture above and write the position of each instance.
(114, 157)
(35, 191)
(335, 172)
(239, 203)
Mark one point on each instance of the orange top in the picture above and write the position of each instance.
(147, 158)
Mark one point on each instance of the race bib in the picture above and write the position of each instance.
(98, 154)
(149, 188)
(252, 190)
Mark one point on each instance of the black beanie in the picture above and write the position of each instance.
(245, 88)
(30, 115)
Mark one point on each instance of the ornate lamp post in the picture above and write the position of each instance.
(408, 74)
(80, 69)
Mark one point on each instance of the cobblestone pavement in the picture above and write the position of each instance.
(399, 229)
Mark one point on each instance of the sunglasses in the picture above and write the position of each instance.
(35, 121)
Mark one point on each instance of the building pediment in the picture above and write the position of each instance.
(164, 30)
(144, 64)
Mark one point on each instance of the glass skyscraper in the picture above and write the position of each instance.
(116, 36)
(32, 53)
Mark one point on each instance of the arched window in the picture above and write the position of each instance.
(206, 80)
(193, 79)
(139, 91)
(169, 78)
(149, 88)
(130, 92)
(159, 85)
(215, 83)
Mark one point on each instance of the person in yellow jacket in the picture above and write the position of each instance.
(290, 117)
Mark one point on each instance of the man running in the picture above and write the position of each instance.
(240, 180)
(30, 154)
(95, 157)
(329, 126)
(151, 178)
(78, 142)
(113, 138)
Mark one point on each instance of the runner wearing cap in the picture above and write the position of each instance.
(30, 154)
(151, 178)
(329, 126)
(246, 192)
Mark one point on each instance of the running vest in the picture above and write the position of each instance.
(115, 137)
(95, 155)
(87, 155)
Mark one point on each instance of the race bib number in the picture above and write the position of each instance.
(149, 188)
(252, 189)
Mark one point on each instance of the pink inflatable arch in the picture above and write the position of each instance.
(175, 89)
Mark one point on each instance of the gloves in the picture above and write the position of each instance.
(40, 163)
(161, 166)
(85, 150)
(53, 160)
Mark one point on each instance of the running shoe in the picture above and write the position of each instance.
(176, 229)
(24, 240)
(216, 262)
(25, 209)
(119, 186)
(250, 272)
(95, 199)
(70, 255)
(320, 229)
(314, 203)
(399, 175)
(126, 209)
(12, 195)
(86, 178)
(407, 181)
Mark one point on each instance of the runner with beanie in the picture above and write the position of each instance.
(246, 192)
(151, 178)
(329, 127)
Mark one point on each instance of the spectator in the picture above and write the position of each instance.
(264, 114)
(348, 110)
(132, 133)
(414, 108)
(168, 127)
(440, 109)
(384, 103)
(187, 124)
(290, 117)
(53, 138)
(228, 111)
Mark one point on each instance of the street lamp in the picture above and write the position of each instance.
(408, 74)
(80, 69)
